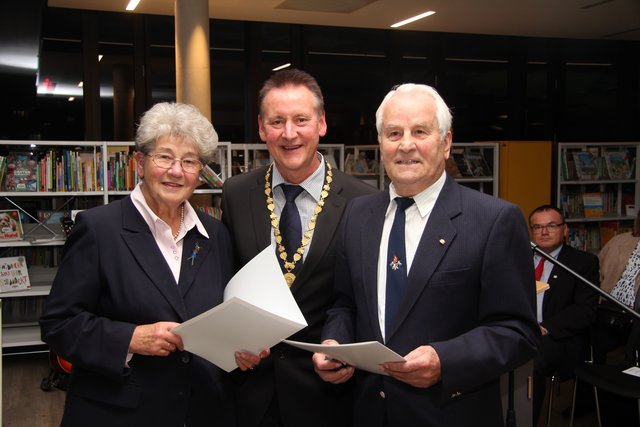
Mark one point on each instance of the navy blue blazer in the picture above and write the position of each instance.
(112, 278)
(470, 294)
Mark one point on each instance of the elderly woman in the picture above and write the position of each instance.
(132, 271)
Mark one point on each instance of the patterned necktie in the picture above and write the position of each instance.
(396, 262)
(290, 226)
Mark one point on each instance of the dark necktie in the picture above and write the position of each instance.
(396, 262)
(290, 226)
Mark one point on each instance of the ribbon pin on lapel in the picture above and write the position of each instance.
(194, 253)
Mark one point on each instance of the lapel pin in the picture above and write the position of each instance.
(442, 241)
(194, 253)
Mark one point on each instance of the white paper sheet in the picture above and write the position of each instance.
(634, 370)
(258, 312)
(363, 355)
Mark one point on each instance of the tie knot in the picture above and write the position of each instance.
(291, 191)
(403, 202)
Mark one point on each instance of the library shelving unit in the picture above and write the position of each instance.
(363, 162)
(597, 190)
(44, 181)
(247, 157)
(473, 164)
(482, 160)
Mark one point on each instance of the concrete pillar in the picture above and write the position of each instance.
(193, 68)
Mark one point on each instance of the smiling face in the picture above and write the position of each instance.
(166, 189)
(414, 155)
(290, 125)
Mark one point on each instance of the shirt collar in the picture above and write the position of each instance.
(190, 217)
(426, 199)
(553, 254)
(312, 185)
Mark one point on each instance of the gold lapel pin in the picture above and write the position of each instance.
(442, 241)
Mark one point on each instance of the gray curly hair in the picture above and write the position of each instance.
(180, 120)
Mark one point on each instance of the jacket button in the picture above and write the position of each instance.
(185, 358)
(382, 394)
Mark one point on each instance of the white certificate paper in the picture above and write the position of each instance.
(363, 355)
(258, 312)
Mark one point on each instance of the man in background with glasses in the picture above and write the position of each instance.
(567, 308)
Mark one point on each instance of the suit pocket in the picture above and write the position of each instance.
(92, 386)
(450, 277)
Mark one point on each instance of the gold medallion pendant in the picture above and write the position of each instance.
(289, 277)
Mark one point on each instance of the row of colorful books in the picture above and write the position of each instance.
(68, 170)
(594, 204)
(212, 211)
(71, 170)
(593, 238)
(591, 165)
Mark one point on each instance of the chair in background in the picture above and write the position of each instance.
(611, 378)
(560, 376)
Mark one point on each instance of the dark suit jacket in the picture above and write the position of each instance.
(304, 399)
(112, 278)
(470, 295)
(569, 306)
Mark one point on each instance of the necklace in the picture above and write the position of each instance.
(175, 236)
(289, 265)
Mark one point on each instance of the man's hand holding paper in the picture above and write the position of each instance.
(331, 370)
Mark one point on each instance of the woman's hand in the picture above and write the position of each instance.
(155, 339)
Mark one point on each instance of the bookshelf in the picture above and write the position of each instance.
(597, 190)
(247, 157)
(472, 164)
(484, 178)
(68, 175)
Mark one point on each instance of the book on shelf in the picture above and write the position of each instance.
(363, 164)
(593, 204)
(51, 216)
(3, 167)
(210, 177)
(585, 164)
(20, 173)
(22, 310)
(212, 211)
(608, 229)
(568, 166)
(10, 225)
(14, 275)
(618, 164)
(477, 164)
(584, 238)
(349, 164)
(461, 163)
